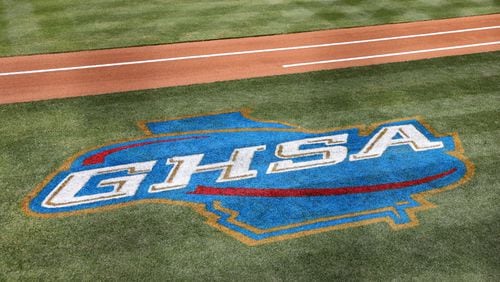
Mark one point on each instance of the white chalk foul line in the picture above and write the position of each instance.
(246, 52)
(391, 54)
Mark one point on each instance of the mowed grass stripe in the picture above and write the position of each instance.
(55, 25)
(468, 122)
(483, 144)
(3, 28)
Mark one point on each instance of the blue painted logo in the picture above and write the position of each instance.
(264, 181)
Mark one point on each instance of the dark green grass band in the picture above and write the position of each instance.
(29, 26)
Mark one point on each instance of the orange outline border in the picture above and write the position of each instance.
(212, 218)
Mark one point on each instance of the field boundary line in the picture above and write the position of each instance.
(249, 52)
(392, 54)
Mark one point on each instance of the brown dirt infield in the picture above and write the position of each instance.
(41, 77)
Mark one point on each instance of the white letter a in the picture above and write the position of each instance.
(385, 138)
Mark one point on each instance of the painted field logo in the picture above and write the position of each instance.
(262, 181)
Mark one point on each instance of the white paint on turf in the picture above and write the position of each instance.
(392, 54)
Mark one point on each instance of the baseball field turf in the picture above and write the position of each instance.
(458, 240)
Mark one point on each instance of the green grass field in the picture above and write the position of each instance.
(458, 240)
(29, 26)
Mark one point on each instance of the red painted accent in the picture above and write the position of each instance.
(99, 157)
(257, 192)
